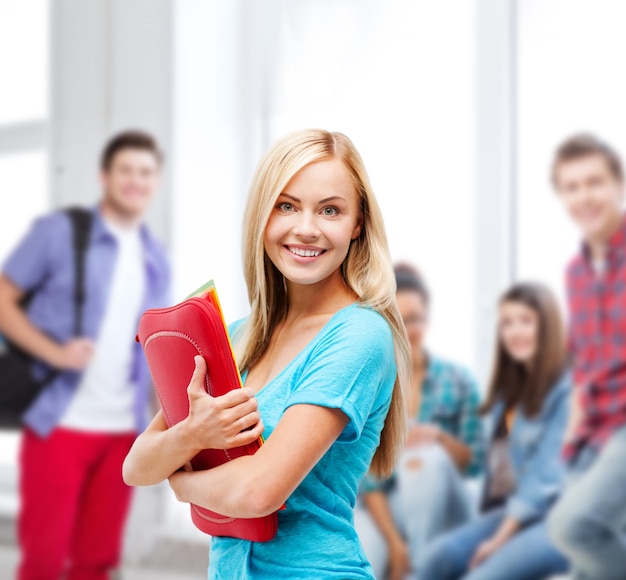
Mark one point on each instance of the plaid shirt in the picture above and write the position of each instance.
(597, 304)
(450, 400)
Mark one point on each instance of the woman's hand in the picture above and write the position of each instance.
(220, 422)
(399, 560)
(508, 528)
(484, 551)
(213, 423)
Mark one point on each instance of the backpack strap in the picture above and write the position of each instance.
(81, 219)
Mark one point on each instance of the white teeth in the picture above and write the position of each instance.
(305, 253)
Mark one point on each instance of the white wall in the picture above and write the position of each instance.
(384, 74)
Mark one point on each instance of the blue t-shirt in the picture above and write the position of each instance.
(349, 365)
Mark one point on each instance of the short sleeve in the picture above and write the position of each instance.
(28, 263)
(351, 368)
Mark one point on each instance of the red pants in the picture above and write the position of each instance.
(73, 504)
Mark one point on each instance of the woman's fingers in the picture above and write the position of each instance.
(249, 420)
(221, 422)
(197, 387)
(197, 384)
(235, 413)
(236, 397)
(248, 436)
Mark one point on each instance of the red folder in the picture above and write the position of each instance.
(171, 337)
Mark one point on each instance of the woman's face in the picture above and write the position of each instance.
(415, 317)
(519, 331)
(313, 222)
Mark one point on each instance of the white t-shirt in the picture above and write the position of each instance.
(104, 400)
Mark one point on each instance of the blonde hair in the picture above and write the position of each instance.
(367, 269)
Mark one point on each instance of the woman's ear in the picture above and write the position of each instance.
(357, 229)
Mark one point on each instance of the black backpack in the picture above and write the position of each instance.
(18, 388)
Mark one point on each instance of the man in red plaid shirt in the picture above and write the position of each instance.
(589, 522)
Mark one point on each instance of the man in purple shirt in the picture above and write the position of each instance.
(73, 502)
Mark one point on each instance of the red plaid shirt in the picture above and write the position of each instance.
(597, 304)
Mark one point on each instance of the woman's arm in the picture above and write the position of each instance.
(508, 528)
(543, 472)
(460, 453)
(425, 433)
(378, 507)
(212, 423)
(259, 484)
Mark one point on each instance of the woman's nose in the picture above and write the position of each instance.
(306, 226)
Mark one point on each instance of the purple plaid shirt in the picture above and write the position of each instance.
(44, 260)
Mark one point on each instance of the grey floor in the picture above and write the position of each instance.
(149, 554)
(9, 558)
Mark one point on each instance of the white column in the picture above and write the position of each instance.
(496, 164)
(111, 70)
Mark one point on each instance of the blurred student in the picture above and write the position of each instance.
(324, 360)
(426, 494)
(73, 501)
(528, 404)
(589, 522)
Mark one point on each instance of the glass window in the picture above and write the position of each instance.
(24, 52)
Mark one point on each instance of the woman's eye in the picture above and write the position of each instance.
(330, 211)
(285, 206)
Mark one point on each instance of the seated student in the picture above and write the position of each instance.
(426, 495)
(589, 522)
(528, 405)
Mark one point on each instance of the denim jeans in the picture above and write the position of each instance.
(424, 503)
(529, 555)
(588, 523)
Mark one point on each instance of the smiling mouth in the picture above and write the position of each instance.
(305, 253)
(588, 213)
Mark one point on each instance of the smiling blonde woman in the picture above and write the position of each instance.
(324, 360)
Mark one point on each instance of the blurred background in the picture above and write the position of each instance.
(456, 107)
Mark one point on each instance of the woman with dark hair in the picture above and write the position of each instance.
(426, 495)
(528, 406)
